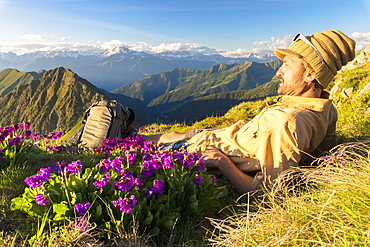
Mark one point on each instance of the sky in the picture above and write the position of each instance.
(230, 27)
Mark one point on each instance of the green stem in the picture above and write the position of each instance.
(66, 190)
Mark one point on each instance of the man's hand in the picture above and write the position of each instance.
(214, 157)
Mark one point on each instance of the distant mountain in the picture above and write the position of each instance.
(166, 93)
(218, 104)
(156, 85)
(218, 79)
(115, 67)
(185, 55)
(143, 115)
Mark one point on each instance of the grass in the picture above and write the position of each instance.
(353, 106)
(243, 111)
(329, 207)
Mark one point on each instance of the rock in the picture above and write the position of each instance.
(365, 90)
(347, 92)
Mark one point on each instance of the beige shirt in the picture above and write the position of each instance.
(276, 138)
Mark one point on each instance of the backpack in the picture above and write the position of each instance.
(105, 119)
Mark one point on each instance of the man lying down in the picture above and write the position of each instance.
(302, 122)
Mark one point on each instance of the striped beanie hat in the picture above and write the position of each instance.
(322, 54)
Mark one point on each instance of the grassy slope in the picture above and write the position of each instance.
(333, 211)
(10, 78)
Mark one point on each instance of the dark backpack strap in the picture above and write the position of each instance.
(131, 118)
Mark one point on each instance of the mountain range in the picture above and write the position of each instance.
(169, 92)
(118, 66)
(56, 99)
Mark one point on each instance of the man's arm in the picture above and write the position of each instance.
(241, 181)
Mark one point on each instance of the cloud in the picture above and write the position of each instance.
(22, 48)
(275, 43)
(163, 47)
(192, 48)
(140, 46)
(362, 39)
(113, 44)
(240, 53)
(33, 37)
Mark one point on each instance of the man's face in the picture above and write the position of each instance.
(292, 76)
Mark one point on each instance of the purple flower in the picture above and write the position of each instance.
(328, 159)
(127, 182)
(103, 181)
(131, 157)
(27, 134)
(40, 199)
(26, 125)
(3, 135)
(149, 147)
(35, 137)
(42, 176)
(214, 179)
(105, 165)
(178, 156)
(126, 204)
(189, 160)
(118, 163)
(147, 169)
(15, 141)
(81, 225)
(16, 126)
(45, 172)
(126, 144)
(10, 129)
(168, 163)
(57, 135)
(200, 165)
(82, 208)
(73, 167)
(198, 180)
(48, 147)
(156, 164)
(59, 166)
(148, 193)
(158, 188)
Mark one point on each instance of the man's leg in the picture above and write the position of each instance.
(164, 138)
(152, 138)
